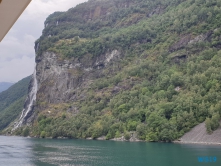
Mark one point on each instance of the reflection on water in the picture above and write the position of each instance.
(18, 151)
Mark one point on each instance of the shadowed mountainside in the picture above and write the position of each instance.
(12, 102)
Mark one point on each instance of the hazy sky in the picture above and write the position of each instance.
(17, 48)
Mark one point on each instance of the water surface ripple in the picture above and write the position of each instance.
(19, 151)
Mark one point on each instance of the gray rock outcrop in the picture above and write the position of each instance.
(199, 135)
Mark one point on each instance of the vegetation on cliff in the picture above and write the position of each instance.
(166, 83)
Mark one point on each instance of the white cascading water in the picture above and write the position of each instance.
(31, 98)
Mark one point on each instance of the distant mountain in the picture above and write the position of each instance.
(12, 101)
(5, 85)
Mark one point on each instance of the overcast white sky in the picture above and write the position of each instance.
(17, 48)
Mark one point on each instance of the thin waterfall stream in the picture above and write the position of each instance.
(29, 101)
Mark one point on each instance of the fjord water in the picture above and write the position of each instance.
(18, 151)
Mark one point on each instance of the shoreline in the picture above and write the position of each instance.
(199, 143)
(121, 139)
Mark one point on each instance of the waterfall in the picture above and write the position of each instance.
(33, 87)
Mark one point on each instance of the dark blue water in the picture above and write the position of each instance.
(18, 151)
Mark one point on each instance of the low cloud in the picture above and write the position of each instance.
(14, 47)
(16, 69)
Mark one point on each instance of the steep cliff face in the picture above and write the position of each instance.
(66, 80)
(63, 81)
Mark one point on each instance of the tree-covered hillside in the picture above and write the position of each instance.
(167, 81)
(12, 102)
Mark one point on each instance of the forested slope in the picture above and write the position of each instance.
(165, 81)
(12, 102)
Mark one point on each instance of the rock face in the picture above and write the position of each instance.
(189, 39)
(199, 135)
(61, 81)
(66, 76)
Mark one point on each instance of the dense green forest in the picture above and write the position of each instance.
(12, 102)
(168, 79)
